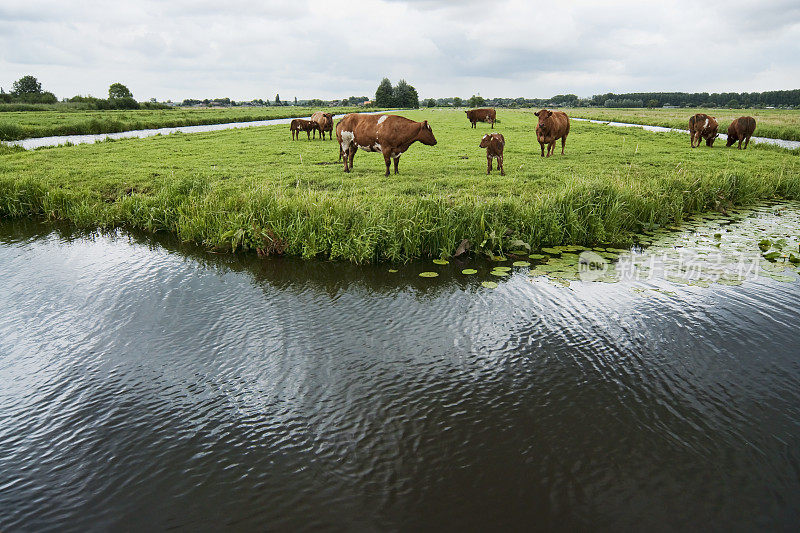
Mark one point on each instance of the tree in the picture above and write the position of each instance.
(278, 99)
(733, 103)
(405, 95)
(295, 100)
(457, 102)
(384, 94)
(430, 102)
(477, 101)
(117, 90)
(652, 103)
(26, 85)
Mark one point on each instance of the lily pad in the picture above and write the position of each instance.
(392, 270)
(428, 274)
(521, 264)
(502, 269)
(537, 256)
(489, 284)
(499, 273)
(441, 261)
(469, 271)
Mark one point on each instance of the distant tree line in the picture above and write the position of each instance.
(28, 90)
(789, 98)
(402, 95)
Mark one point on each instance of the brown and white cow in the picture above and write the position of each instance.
(740, 130)
(552, 125)
(299, 124)
(702, 126)
(481, 115)
(324, 123)
(389, 134)
(494, 144)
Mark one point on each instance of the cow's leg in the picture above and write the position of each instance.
(388, 161)
(396, 162)
(488, 165)
(746, 142)
(551, 148)
(352, 154)
(563, 142)
(541, 145)
(500, 166)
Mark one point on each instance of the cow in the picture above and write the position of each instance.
(494, 144)
(740, 130)
(324, 123)
(481, 115)
(389, 134)
(299, 124)
(552, 125)
(702, 126)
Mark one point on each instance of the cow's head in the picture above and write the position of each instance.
(426, 134)
(544, 118)
(485, 141)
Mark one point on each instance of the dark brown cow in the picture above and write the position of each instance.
(553, 125)
(494, 144)
(324, 123)
(299, 124)
(389, 134)
(702, 126)
(740, 130)
(481, 115)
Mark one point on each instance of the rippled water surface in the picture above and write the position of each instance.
(149, 386)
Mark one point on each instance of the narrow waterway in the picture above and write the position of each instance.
(149, 385)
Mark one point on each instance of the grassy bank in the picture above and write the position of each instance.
(772, 123)
(16, 125)
(255, 189)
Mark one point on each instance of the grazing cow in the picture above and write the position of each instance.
(553, 125)
(494, 144)
(389, 134)
(324, 123)
(481, 115)
(740, 130)
(300, 124)
(702, 126)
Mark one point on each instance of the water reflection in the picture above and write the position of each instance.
(149, 384)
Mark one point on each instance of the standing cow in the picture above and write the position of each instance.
(702, 126)
(553, 125)
(324, 123)
(481, 115)
(494, 144)
(389, 134)
(299, 124)
(740, 130)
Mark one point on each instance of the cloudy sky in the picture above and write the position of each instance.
(180, 49)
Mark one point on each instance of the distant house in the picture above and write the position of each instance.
(366, 103)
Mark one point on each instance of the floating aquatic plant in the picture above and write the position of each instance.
(428, 274)
(469, 271)
(489, 284)
(441, 261)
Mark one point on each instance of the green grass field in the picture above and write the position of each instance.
(772, 123)
(25, 124)
(256, 190)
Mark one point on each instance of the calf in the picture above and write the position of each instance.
(552, 125)
(324, 123)
(297, 125)
(702, 126)
(389, 134)
(740, 130)
(494, 144)
(481, 115)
